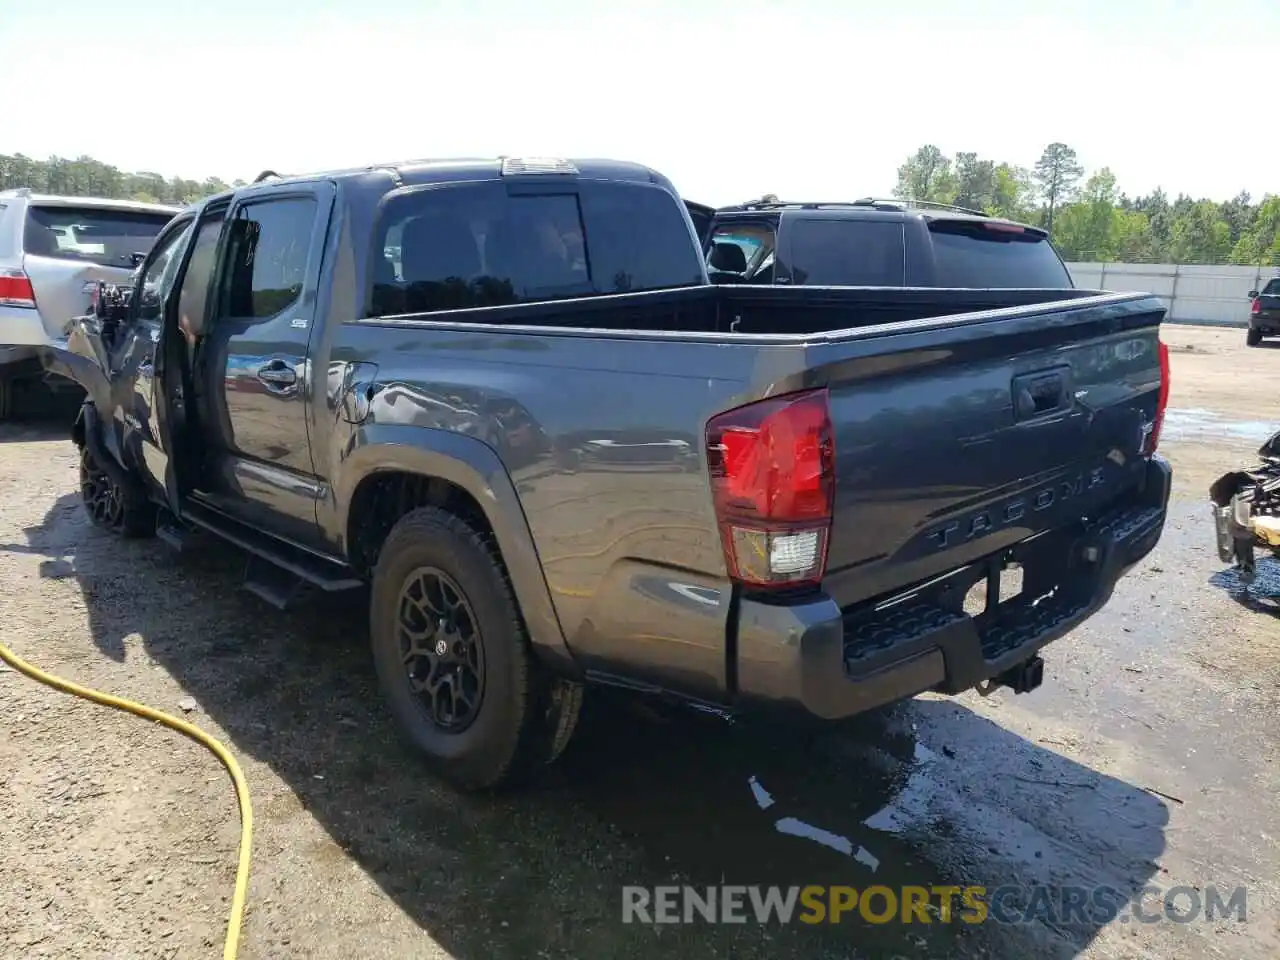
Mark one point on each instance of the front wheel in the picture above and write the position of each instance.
(1253, 337)
(454, 660)
(122, 511)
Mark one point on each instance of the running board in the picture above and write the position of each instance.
(271, 583)
(277, 571)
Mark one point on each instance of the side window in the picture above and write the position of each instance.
(266, 261)
(193, 297)
(157, 281)
(848, 252)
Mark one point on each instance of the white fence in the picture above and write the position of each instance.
(1195, 294)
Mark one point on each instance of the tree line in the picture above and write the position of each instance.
(87, 177)
(1090, 218)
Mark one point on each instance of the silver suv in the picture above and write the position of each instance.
(53, 251)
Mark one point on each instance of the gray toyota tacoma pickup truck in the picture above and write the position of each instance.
(504, 396)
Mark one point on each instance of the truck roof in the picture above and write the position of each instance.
(411, 172)
(895, 209)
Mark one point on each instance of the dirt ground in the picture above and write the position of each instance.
(1148, 757)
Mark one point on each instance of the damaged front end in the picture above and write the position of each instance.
(1246, 510)
(91, 353)
(84, 354)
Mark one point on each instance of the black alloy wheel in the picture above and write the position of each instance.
(102, 496)
(441, 648)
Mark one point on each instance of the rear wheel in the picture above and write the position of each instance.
(122, 511)
(1253, 337)
(454, 660)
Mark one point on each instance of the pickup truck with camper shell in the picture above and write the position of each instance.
(875, 243)
(504, 395)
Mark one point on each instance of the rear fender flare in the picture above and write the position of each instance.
(91, 432)
(473, 466)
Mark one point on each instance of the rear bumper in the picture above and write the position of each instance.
(1267, 323)
(22, 334)
(832, 663)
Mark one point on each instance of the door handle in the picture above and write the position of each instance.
(279, 377)
(1040, 394)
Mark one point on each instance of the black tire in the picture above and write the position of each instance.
(6, 398)
(123, 511)
(520, 717)
(1253, 337)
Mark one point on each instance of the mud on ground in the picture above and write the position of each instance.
(1148, 757)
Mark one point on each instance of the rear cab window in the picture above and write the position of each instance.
(847, 252)
(994, 255)
(480, 244)
(101, 235)
(1272, 289)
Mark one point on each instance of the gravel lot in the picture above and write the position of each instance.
(1149, 757)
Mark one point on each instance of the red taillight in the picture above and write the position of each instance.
(1256, 306)
(15, 289)
(1162, 401)
(772, 467)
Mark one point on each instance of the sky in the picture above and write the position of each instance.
(808, 99)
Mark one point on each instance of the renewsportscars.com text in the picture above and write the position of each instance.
(936, 904)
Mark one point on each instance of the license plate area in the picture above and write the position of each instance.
(1000, 583)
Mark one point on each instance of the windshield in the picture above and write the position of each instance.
(96, 235)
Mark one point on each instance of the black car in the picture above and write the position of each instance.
(875, 243)
(1264, 313)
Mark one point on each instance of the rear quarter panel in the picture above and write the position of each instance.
(603, 439)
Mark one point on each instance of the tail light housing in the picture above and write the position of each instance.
(15, 289)
(1162, 401)
(1256, 307)
(772, 467)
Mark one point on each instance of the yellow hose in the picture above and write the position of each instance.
(231, 945)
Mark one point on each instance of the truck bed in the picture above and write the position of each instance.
(965, 423)
(744, 309)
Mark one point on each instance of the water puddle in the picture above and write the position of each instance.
(1194, 424)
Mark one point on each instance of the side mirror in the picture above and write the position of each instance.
(1253, 294)
(137, 257)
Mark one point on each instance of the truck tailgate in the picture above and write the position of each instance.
(956, 439)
